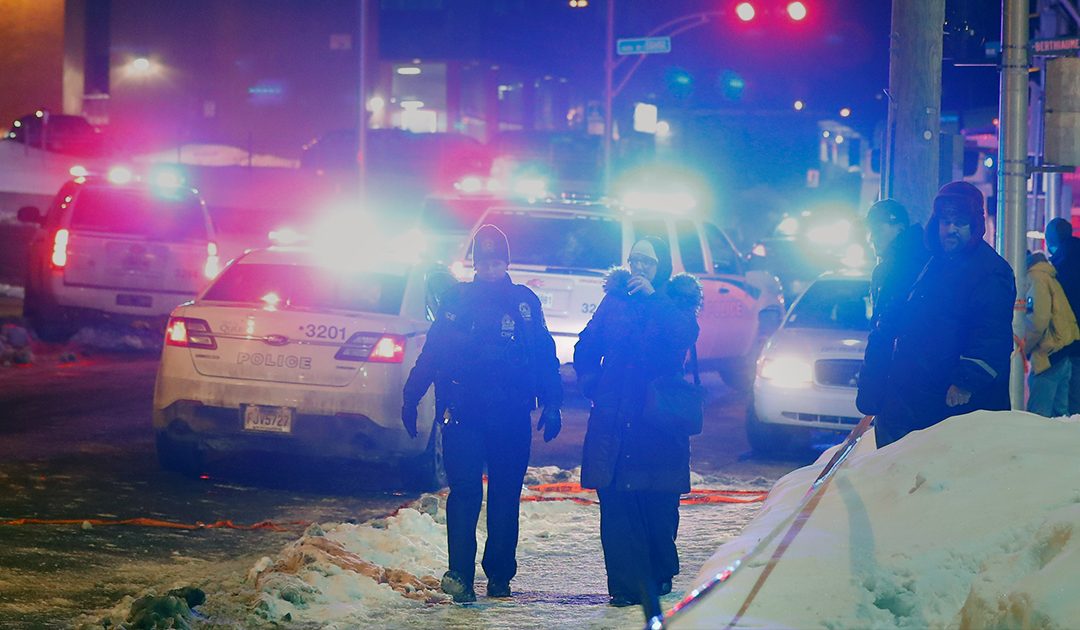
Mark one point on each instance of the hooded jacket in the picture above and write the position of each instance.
(1050, 324)
(954, 329)
(630, 341)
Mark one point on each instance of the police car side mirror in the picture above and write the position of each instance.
(30, 214)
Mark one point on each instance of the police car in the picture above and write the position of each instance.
(116, 247)
(562, 251)
(292, 351)
(807, 375)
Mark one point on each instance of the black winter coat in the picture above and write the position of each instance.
(488, 348)
(630, 341)
(1066, 260)
(955, 329)
(890, 285)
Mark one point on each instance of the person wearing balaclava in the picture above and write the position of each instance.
(491, 359)
(641, 331)
(954, 335)
(1064, 249)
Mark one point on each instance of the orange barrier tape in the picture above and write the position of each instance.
(153, 522)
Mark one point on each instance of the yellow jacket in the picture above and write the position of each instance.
(1050, 324)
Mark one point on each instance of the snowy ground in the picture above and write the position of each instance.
(322, 579)
(973, 523)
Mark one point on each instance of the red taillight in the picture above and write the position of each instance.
(59, 248)
(213, 263)
(186, 332)
(373, 348)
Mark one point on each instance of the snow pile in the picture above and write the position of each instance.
(972, 523)
(118, 338)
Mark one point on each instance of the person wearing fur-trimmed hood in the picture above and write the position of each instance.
(641, 331)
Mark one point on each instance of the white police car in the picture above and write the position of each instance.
(563, 250)
(116, 247)
(291, 351)
(807, 374)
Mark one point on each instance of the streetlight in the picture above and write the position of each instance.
(745, 11)
(796, 11)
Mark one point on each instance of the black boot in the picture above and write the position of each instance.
(454, 585)
(499, 589)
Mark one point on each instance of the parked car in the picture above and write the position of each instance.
(290, 352)
(808, 373)
(62, 133)
(563, 250)
(116, 248)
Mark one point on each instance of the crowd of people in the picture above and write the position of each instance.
(941, 332)
(940, 345)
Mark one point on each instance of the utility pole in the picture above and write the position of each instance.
(1012, 169)
(609, 69)
(911, 162)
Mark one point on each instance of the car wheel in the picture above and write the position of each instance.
(179, 456)
(428, 470)
(47, 323)
(766, 439)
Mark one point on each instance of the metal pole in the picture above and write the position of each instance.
(609, 68)
(1012, 170)
(362, 123)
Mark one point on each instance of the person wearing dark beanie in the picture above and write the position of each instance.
(491, 359)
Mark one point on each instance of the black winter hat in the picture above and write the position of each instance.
(490, 244)
(888, 211)
(962, 197)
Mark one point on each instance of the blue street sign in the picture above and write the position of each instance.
(643, 45)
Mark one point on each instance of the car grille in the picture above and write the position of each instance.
(813, 417)
(837, 372)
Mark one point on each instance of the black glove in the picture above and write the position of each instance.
(551, 422)
(408, 418)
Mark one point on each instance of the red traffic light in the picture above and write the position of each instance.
(796, 11)
(745, 11)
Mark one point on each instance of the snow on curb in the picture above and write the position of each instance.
(972, 523)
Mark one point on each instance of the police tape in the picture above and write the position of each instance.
(153, 522)
(544, 493)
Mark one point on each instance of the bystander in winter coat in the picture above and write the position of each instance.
(641, 331)
(1049, 326)
(1064, 251)
(902, 254)
(954, 332)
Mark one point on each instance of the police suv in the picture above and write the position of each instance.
(562, 251)
(293, 351)
(116, 247)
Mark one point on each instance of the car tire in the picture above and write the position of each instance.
(768, 440)
(183, 457)
(47, 323)
(428, 470)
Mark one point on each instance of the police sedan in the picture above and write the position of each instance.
(807, 374)
(290, 351)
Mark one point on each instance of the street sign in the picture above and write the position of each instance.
(643, 45)
(1056, 47)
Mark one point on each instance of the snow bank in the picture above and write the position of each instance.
(973, 523)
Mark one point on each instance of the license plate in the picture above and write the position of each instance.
(125, 299)
(268, 419)
(547, 300)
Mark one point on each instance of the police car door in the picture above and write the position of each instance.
(730, 310)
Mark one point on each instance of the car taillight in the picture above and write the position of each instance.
(373, 348)
(187, 332)
(213, 263)
(59, 248)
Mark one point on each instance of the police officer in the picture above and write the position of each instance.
(491, 358)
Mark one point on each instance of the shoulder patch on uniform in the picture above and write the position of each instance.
(526, 312)
(450, 316)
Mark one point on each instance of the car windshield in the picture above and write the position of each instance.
(309, 288)
(175, 217)
(834, 305)
(565, 242)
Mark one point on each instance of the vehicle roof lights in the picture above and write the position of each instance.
(166, 177)
(789, 226)
(286, 236)
(78, 171)
(120, 175)
(674, 201)
(470, 184)
(531, 187)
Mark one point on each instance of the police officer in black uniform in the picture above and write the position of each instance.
(491, 358)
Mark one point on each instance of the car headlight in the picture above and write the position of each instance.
(787, 371)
